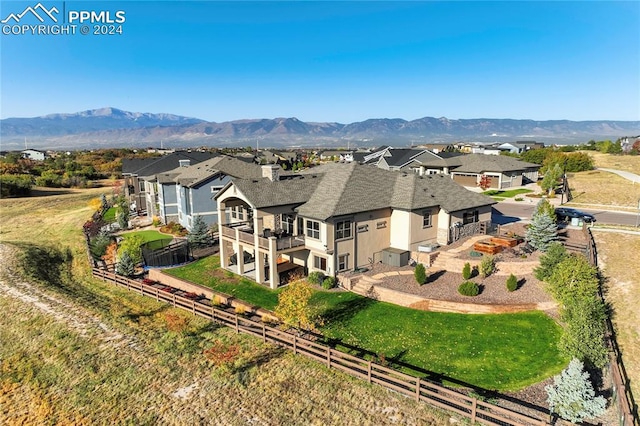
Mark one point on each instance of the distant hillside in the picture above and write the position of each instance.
(85, 122)
(110, 127)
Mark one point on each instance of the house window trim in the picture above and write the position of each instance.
(475, 217)
(310, 230)
(428, 218)
(318, 261)
(343, 258)
(216, 188)
(344, 233)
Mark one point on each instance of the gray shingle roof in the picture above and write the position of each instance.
(480, 163)
(192, 176)
(343, 189)
(264, 193)
(166, 163)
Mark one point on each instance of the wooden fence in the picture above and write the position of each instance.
(622, 396)
(422, 390)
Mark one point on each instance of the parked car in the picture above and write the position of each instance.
(566, 214)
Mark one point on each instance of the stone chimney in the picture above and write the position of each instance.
(272, 172)
(184, 163)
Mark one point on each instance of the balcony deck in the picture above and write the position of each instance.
(245, 235)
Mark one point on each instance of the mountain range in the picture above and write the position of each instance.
(111, 127)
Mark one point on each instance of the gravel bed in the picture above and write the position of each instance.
(443, 285)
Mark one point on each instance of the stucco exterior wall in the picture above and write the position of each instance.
(400, 229)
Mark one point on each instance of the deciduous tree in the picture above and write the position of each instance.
(294, 307)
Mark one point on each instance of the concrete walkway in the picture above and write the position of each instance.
(627, 175)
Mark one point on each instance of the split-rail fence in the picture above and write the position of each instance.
(474, 409)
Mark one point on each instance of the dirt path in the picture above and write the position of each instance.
(75, 317)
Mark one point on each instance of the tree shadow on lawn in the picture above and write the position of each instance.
(346, 310)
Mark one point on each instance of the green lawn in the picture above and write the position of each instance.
(151, 236)
(110, 215)
(508, 193)
(504, 352)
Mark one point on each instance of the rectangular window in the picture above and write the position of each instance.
(187, 201)
(287, 222)
(470, 217)
(381, 225)
(320, 263)
(313, 229)
(215, 189)
(240, 213)
(234, 213)
(343, 262)
(363, 228)
(426, 219)
(141, 185)
(343, 229)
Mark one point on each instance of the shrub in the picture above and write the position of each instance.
(174, 228)
(555, 254)
(294, 306)
(217, 300)
(572, 396)
(329, 283)
(240, 309)
(469, 288)
(487, 266)
(156, 221)
(15, 185)
(466, 271)
(512, 283)
(316, 277)
(420, 273)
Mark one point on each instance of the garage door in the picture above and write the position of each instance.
(466, 180)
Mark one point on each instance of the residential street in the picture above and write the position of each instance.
(506, 212)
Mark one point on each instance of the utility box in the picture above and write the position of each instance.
(395, 257)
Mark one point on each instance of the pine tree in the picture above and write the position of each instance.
(572, 396)
(544, 207)
(199, 235)
(542, 231)
(125, 266)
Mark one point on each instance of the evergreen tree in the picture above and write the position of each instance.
(555, 254)
(544, 207)
(125, 266)
(541, 232)
(199, 235)
(572, 396)
(420, 274)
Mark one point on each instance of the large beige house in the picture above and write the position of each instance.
(340, 217)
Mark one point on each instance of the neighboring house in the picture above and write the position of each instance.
(465, 169)
(520, 147)
(186, 192)
(341, 217)
(34, 154)
(503, 171)
(139, 176)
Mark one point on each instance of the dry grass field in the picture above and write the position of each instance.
(78, 351)
(604, 188)
(618, 254)
(629, 163)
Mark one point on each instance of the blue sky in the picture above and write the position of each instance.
(335, 61)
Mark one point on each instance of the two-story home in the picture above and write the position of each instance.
(140, 176)
(340, 217)
(186, 191)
